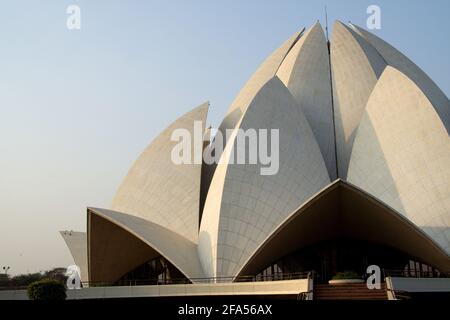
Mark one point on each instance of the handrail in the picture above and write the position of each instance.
(304, 295)
(402, 294)
(278, 276)
(230, 279)
(414, 274)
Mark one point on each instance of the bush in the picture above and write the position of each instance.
(46, 289)
(346, 275)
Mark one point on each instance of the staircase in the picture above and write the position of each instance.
(354, 291)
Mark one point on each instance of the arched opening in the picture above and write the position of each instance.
(118, 257)
(345, 229)
(153, 272)
(328, 258)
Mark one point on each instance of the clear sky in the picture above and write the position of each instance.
(77, 107)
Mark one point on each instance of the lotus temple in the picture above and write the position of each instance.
(363, 180)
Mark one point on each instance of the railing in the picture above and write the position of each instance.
(308, 295)
(259, 278)
(414, 274)
(143, 282)
(408, 273)
(304, 295)
(399, 294)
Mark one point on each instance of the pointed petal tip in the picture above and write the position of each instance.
(205, 104)
(317, 25)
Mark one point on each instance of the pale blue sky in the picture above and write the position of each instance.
(77, 107)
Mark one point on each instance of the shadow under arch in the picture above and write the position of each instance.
(344, 211)
(119, 243)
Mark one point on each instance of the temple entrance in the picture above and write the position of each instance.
(328, 258)
(344, 229)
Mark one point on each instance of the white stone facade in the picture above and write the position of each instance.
(359, 111)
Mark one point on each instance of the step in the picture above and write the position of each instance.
(340, 286)
(350, 291)
(350, 298)
(350, 285)
(350, 294)
(384, 297)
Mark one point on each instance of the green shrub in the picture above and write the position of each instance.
(46, 289)
(346, 275)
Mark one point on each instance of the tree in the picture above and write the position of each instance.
(58, 274)
(47, 289)
(23, 280)
(4, 280)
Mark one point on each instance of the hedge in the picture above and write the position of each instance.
(46, 290)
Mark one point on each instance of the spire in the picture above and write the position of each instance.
(326, 23)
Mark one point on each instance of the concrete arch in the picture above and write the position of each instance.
(399, 61)
(118, 243)
(356, 67)
(77, 244)
(160, 191)
(401, 155)
(243, 206)
(306, 73)
(264, 73)
(343, 210)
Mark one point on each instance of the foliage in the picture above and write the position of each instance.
(23, 280)
(58, 274)
(346, 275)
(4, 280)
(46, 289)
